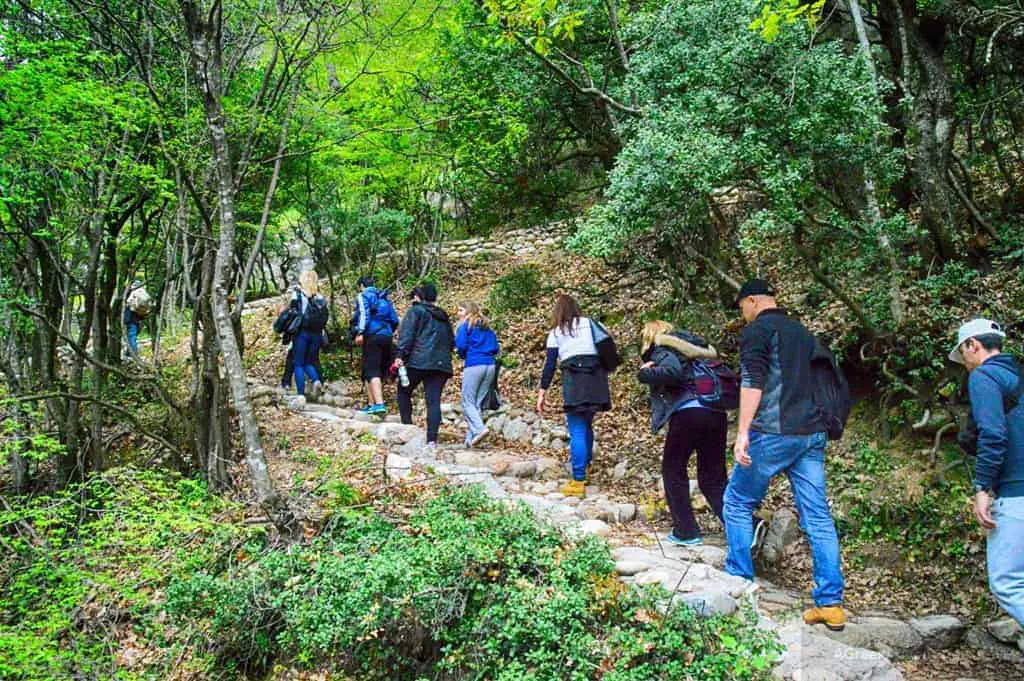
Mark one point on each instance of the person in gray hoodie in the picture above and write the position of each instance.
(994, 386)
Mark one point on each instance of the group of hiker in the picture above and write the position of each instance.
(790, 395)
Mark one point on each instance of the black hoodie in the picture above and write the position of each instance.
(426, 339)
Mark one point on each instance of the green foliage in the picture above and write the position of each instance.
(76, 563)
(466, 588)
(515, 291)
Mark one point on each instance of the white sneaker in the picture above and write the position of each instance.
(480, 437)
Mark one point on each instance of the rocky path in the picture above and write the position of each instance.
(690, 575)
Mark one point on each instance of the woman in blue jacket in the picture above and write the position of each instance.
(477, 344)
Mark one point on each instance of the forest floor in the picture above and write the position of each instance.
(883, 576)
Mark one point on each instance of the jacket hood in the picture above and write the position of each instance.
(436, 312)
(1003, 368)
(684, 347)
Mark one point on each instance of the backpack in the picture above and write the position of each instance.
(829, 391)
(715, 384)
(315, 317)
(606, 349)
(967, 438)
(140, 302)
(381, 311)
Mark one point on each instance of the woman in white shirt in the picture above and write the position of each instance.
(585, 392)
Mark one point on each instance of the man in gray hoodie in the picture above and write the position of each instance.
(994, 386)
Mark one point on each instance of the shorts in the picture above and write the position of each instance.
(378, 350)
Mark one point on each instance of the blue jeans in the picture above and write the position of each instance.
(802, 459)
(581, 442)
(305, 347)
(1006, 556)
(133, 339)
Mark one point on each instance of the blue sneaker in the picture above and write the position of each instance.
(377, 409)
(693, 541)
(368, 409)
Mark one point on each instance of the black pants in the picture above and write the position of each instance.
(433, 384)
(377, 351)
(705, 431)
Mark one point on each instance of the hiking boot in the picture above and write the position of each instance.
(574, 488)
(832, 616)
(678, 541)
(483, 435)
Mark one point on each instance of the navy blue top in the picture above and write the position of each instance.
(1000, 464)
(478, 346)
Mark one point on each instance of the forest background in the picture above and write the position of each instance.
(867, 158)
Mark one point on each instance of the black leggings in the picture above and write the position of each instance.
(705, 431)
(433, 384)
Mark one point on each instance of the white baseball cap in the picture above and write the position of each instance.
(973, 329)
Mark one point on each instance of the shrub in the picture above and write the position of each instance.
(465, 588)
(515, 291)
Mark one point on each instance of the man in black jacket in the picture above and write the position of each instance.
(425, 343)
(781, 430)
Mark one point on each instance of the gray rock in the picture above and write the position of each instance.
(362, 416)
(669, 578)
(516, 430)
(708, 603)
(783, 531)
(628, 568)
(397, 433)
(1005, 630)
(297, 402)
(540, 440)
(705, 553)
(523, 469)
(809, 657)
(413, 448)
(497, 423)
(397, 467)
(560, 432)
(979, 638)
(619, 472)
(626, 512)
(467, 458)
(939, 631)
(891, 637)
(597, 527)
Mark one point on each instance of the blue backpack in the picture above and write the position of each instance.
(382, 315)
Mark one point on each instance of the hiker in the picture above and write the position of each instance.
(668, 357)
(994, 386)
(477, 344)
(781, 430)
(313, 309)
(137, 306)
(425, 341)
(374, 326)
(286, 314)
(571, 346)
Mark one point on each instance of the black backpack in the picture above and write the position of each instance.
(606, 349)
(830, 392)
(715, 384)
(967, 438)
(315, 317)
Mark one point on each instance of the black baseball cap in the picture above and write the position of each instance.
(427, 292)
(754, 287)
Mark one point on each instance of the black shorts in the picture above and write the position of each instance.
(377, 356)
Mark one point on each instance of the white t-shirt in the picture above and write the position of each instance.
(579, 342)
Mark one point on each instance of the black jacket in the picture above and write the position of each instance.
(671, 378)
(426, 339)
(775, 356)
(585, 385)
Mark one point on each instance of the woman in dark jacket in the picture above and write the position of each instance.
(667, 355)
(570, 346)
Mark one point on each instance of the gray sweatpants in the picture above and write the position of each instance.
(476, 381)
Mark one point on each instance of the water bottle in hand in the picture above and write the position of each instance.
(403, 376)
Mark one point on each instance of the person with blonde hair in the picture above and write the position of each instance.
(571, 346)
(477, 344)
(666, 355)
(313, 308)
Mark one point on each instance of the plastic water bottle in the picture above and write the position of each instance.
(403, 376)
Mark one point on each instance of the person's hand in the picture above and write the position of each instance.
(647, 365)
(983, 510)
(399, 363)
(739, 449)
(540, 403)
(359, 339)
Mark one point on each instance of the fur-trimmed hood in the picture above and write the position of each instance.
(685, 348)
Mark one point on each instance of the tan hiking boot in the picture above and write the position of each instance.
(574, 488)
(832, 616)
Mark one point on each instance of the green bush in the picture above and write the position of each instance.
(515, 291)
(465, 588)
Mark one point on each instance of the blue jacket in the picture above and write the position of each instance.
(382, 321)
(476, 345)
(1000, 464)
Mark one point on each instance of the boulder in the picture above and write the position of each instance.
(467, 457)
(297, 402)
(708, 603)
(516, 430)
(523, 469)
(892, 637)
(497, 422)
(597, 527)
(939, 631)
(628, 568)
(626, 512)
(1005, 630)
(397, 433)
(783, 531)
(669, 578)
(810, 657)
(413, 448)
(979, 638)
(397, 467)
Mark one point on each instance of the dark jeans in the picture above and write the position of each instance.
(433, 384)
(705, 431)
(306, 347)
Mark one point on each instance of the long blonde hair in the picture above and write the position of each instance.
(310, 283)
(476, 316)
(651, 330)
